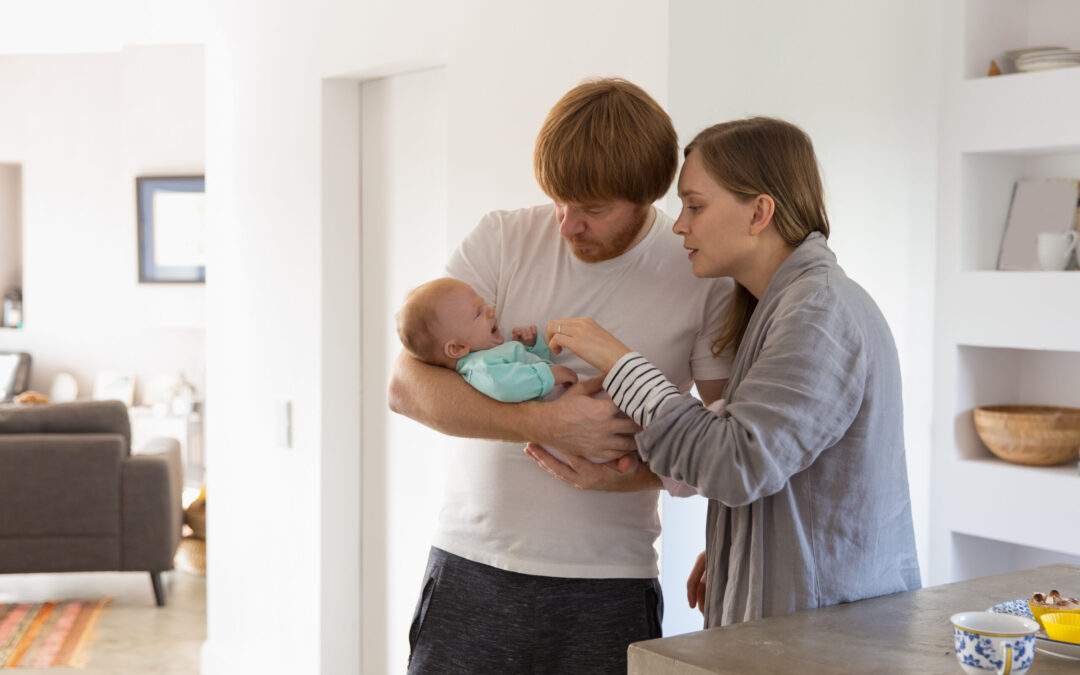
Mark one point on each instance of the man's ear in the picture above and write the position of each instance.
(764, 206)
(455, 350)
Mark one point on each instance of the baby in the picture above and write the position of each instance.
(446, 323)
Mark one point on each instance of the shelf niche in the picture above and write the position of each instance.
(993, 376)
(975, 557)
(988, 181)
(10, 231)
(996, 26)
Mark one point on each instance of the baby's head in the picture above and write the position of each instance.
(445, 319)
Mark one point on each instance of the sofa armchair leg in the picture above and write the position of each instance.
(159, 590)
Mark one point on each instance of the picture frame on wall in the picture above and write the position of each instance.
(171, 215)
(115, 386)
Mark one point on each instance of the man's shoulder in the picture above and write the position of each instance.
(539, 214)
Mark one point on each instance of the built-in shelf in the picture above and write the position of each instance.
(1022, 310)
(994, 376)
(987, 189)
(1029, 506)
(1029, 113)
(1001, 337)
(992, 27)
(986, 556)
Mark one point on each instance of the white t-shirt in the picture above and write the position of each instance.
(500, 508)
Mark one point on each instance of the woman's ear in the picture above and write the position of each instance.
(455, 350)
(764, 206)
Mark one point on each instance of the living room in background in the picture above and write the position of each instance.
(84, 311)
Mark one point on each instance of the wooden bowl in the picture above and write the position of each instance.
(195, 517)
(1030, 434)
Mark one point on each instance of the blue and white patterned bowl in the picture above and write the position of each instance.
(994, 642)
(1014, 607)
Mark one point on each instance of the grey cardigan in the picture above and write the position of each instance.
(805, 471)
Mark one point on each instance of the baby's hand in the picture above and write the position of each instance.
(563, 375)
(526, 335)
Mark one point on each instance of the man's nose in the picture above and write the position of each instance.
(570, 223)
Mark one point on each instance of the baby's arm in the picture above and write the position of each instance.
(510, 382)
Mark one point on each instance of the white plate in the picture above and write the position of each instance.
(1017, 53)
(1064, 650)
(1047, 60)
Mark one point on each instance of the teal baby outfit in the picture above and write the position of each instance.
(511, 372)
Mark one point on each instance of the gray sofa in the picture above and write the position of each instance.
(73, 498)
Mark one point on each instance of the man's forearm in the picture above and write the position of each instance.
(439, 398)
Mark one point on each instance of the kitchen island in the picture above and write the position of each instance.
(903, 633)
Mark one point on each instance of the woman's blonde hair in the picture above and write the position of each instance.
(606, 139)
(764, 156)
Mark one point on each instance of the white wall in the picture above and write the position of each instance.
(83, 127)
(862, 79)
(76, 27)
(404, 244)
(271, 314)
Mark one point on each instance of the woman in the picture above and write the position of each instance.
(804, 470)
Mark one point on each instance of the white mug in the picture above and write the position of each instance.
(986, 642)
(1055, 249)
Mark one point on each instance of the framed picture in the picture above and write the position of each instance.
(172, 229)
(1038, 206)
(113, 386)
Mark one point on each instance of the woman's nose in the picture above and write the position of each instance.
(680, 226)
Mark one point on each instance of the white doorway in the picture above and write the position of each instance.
(404, 166)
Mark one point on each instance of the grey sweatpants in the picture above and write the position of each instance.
(474, 618)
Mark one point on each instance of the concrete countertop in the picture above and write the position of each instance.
(905, 632)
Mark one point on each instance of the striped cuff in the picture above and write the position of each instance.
(638, 388)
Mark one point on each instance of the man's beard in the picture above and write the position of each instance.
(612, 249)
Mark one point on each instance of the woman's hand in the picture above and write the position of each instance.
(695, 585)
(587, 339)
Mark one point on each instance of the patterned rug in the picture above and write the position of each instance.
(40, 635)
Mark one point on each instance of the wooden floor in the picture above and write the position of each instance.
(133, 635)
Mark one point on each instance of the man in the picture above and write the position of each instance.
(528, 574)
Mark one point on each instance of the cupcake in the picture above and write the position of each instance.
(1052, 602)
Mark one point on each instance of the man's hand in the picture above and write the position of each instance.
(563, 375)
(626, 474)
(695, 585)
(526, 335)
(577, 424)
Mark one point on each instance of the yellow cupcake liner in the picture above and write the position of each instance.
(1038, 611)
(1063, 626)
